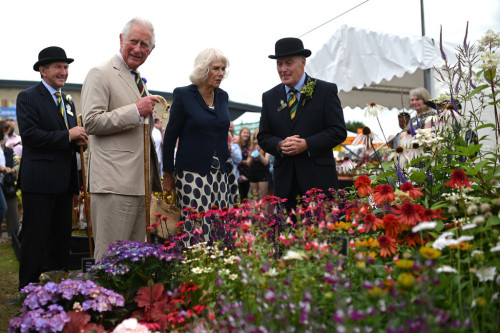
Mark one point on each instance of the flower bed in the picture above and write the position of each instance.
(423, 251)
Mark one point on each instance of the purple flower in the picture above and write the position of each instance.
(144, 80)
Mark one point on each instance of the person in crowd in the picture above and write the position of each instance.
(157, 134)
(232, 135)
(244, 141)
(202, 174)
(235, 151)
(48, 176)
(116, 105)
(14, 141)
(404, 121)
(258, 161)
(418, 97)
(9, 168)
(302, 131)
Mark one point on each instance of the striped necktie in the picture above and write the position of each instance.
(140, 84)
(60, 104)
(293, 102)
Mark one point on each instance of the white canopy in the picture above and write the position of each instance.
(354, 58)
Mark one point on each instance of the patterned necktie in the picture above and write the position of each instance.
(140, 84)
(293, 102)
(61, 107)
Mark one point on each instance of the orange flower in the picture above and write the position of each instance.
(391, 225)
(383, 193)
(387, 246)
(364, 185)
(413, 192)
(413, 239)
(458, 179)
(431, 215)
(409, 213)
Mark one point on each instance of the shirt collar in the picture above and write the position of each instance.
(50, 89)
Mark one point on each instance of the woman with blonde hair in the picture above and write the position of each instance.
(418, 97)
(202, 173)
(258, 162)
(243, 167)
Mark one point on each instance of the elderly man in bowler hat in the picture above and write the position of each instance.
(301, 121)
(48, 176)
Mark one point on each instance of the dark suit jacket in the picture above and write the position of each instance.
(48, 163)
(320, 122)
(201, 131)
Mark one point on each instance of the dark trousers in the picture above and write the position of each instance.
(243, 188)
(46, 234)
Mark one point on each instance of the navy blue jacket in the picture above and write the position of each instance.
(320, 121)
(48, 163)
(202, 132)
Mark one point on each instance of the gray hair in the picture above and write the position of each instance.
(202, 64)
(142, 22)
(421, 93)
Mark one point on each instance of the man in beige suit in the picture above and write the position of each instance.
(114, 114)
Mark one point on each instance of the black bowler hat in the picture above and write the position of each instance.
(289, 46)
(51, 54)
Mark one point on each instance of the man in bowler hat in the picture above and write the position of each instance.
(48, 176)
(301, 121)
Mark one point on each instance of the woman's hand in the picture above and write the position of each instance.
(168, 182)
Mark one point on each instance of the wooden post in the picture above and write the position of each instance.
(86, 196)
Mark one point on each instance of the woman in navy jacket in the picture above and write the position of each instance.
(203, 174)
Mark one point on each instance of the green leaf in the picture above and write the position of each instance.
(478, 89)
(417, 176)
(469, 150)
(387, 165)
(493, 220)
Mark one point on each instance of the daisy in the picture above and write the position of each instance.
(458, 179)
(363, 185)
(486, 273)
(366, 138)
(387, 245)
(424, 226)
(347, 165)
(446, 269)
(373, 109)
(383, 194)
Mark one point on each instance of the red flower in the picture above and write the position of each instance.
(391, 225)
(372, 222)
(458, 179)
(413, 239)
(430, 215)
(364, 185)
(383, 193)
(408, 213)
(387, 246)
(413, 192)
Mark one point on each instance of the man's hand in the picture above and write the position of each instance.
(79, 135)
(168, 182)
(146, 105)
(293, 145)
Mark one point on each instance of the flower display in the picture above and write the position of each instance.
(306, 92)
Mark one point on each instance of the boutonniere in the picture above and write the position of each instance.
(282, 105)
(307, 91)
(68, 98)
(144, 80)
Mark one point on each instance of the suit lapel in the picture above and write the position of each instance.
(124, 74)
(285, 112)
(51, 106)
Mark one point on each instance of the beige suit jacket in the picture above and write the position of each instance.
(110, 117)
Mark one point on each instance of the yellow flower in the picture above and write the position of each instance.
(430, 253)
(404, 264)
(375, 292)
(360, 264)
(480, 301)
(406, 280)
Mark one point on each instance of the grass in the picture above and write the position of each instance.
(9, 279)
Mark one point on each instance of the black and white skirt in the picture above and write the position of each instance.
(202, 191)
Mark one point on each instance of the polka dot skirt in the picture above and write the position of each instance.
(202, 191)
